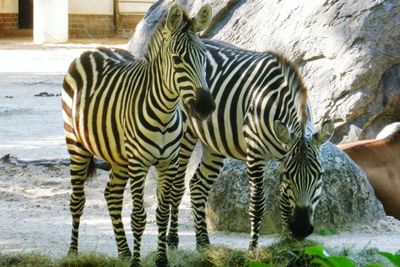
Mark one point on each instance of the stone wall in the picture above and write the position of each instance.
(8, 23)
(102, 26)
(127, 24)
(90, 26)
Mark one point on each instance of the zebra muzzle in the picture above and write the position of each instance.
(301, 224)
(202, 106)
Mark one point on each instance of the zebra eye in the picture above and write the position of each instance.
(177, 59)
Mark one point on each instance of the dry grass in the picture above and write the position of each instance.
(285, 252)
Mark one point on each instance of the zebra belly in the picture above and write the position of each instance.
(227, 140)
(99, 130)
(103, 142)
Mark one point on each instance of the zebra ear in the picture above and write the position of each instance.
(282, 132)
(174, 17)
(203, 18)
(325, 134)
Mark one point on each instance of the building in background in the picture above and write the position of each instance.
(86, 18)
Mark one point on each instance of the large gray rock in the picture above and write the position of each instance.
(348, 52)
(347, 198)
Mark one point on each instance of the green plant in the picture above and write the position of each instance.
(22, 260)
(327, 231)
(258, 264)
(393, 258)
(323, 259)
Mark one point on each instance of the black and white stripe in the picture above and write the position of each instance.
(262, 113)
(126, 112)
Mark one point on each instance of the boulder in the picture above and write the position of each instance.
(347, 198)
(347, 51)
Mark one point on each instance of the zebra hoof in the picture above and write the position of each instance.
(125, 255)
(253, 245)
(173, 241)
(203, 243)
(72, 252)
(135, 262)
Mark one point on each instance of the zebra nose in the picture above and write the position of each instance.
(204, 104)
(301, 224)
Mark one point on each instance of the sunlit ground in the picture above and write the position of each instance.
(30, 121)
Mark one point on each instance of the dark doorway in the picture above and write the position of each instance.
(25, 11)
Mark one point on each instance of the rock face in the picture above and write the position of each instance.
(347, 198)
(348, 52)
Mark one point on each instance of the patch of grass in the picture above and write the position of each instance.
(285, 252)
(39, 260)
(327, 231)
(289, 252)
(91, 260)
(179, 258)
(25, 260)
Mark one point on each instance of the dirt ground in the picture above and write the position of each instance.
(34, 212)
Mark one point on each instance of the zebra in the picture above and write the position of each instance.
(262, 113)
(125, 111)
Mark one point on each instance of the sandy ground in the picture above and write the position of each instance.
(34, 212)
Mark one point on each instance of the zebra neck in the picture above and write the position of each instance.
(161, 97)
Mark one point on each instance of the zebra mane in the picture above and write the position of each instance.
(148, 33)
(299, 88)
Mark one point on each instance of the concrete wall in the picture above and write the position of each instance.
(50, 24)
(135, 6)
(8, 6)
(91, 7)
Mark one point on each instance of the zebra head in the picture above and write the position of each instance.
(301, 182)
(186, 54)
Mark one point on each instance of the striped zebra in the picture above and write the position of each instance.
(126, 112)
(262, 113)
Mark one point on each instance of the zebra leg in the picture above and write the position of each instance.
(200, 185)
(255, 173)
(187, 145)
(166, 172)
(80, 167)
(114, 194)
(137, 174)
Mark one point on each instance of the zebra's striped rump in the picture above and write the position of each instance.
(126, 111)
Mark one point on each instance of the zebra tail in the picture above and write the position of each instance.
(91, 170)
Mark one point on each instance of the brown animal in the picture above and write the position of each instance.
(380, 159)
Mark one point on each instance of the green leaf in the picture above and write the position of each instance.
(322, 262)
(341, 261)
(393, 258)
(323, 259)
(334, 261)
(258, 264)
(315, 251)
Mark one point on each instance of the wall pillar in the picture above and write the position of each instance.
(50, 21)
